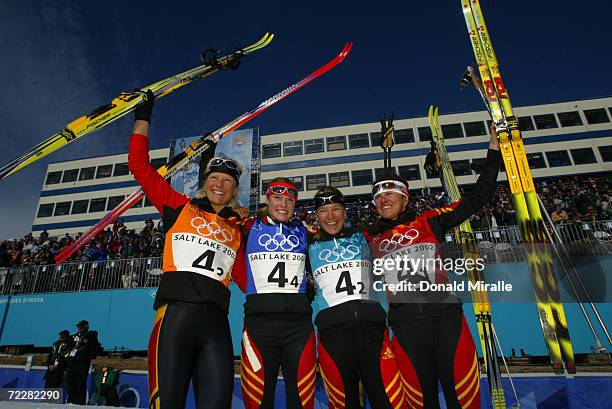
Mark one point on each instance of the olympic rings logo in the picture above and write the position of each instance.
(398, 240)
(213, 229)
(341, 252)
(279, 241)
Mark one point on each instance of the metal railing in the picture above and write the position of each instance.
(84, 276)
(501, 244)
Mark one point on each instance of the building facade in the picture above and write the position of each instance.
(568, 138)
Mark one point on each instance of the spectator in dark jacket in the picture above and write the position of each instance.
(57, 361)
(85, 348)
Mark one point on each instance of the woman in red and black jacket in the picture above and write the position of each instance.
(431, 339)
(191, 338)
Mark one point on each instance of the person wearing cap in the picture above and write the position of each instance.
(85, 348)
(57, 360)
(431, 339)
(278, 329)
(191, 339)
(353, 340)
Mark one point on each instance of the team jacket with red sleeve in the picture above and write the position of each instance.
(414, 237)
(200, 244)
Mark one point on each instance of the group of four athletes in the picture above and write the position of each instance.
(280, 264)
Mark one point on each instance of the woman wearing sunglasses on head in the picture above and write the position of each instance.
(431, 339)
(278, 329)
(353, 339)
(191, 338)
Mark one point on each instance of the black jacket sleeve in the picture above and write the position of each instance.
(472, 201)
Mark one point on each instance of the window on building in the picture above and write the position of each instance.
(583, 156)
(80, 206)
(545, 121)
(62, 209)
(292, 148)
(606, 153)
(596, 116)
(526, 124)
(314, 146)
(359, 141)
(409, 172)
(272, 150)
(87, 173)
(70, 175)
(536, 160)
(374, 139)
(314, 182)
(475, 128)
(339, 179)
(478, 165)
(113, 201)
(569, 118)
(139, 203)
(403, 135)
(362, 177)
(121, 169)
(431, 175)
(336, 143)
(147, 202)
(53, 178)
(461, 167)
(104, 171)
(264, 185)
(298, 181)
(45, 210)
(424, 133)
(558, 158)
(451, 131)
(380, 172)
(97, 205)
(158, 162)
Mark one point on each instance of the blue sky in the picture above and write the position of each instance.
(61, 59)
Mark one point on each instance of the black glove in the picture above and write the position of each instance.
(144, 110)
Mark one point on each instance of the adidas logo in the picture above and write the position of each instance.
(388, 354)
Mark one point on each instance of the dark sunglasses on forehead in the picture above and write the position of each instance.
(280, 190)
(229, 163)
(324, 200)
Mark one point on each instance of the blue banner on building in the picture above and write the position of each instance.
(237, 145)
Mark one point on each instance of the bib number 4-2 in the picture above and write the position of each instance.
(345, 284)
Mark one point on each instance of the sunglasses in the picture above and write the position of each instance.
(389, 186)
(281, 190)
(228, 163)
(323, 200)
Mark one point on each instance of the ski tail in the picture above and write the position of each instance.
(197, 147)
(125, 103)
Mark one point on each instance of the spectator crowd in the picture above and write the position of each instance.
(567, 199)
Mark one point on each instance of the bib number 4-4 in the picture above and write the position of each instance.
(278, 275)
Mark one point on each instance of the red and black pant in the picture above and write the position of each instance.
(190, 342)
(348, 355)
(278, 340)
(438, 348)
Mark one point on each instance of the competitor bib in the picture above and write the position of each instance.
(341, 269)
(276, 258)
(201, 243)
